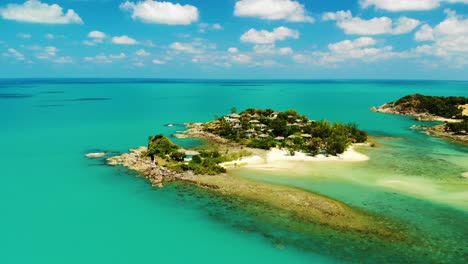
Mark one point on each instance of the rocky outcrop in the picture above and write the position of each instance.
(406, 110)
(134, 160)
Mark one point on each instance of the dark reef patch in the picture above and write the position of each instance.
(14, 96)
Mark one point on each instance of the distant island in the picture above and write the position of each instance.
(452, 110)
(267, 139)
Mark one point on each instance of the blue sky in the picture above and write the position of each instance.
(238, 39)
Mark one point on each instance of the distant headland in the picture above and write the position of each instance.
(453, 111)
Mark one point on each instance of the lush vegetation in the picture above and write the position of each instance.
(207, 163)
(436, 105)
(458, 128)
(265, 129)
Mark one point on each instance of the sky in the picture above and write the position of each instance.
(235, 39)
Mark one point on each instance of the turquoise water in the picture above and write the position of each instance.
(59, 207)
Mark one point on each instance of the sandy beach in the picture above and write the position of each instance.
(281, 159)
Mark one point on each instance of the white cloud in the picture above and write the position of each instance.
(33, 11)
(407, 5)
(118, 56)
(150, 11)
(184, 47)
(23, 35)
(205, 26)
(339, 15)
(158, 62)
(95, 34)
(64, 59)
(49, 36)
(104, 59)
(233, 50)
(47, 53)
(139, 64)
(347, 45)
(285, 51)
(18, 55)
(241, 58)
(272, 50)
(375, 26)
(288, 10)
(142, 52)
(424, 33)
(267, 37)
(404, 25)
(401, 5)
(124, 40)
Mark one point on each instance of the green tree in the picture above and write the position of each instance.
(233, 110)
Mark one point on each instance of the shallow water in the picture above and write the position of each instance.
(58, 206)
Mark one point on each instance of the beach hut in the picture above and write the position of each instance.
(263, 136)
(279, 138)
(306, 135)
(254, 121)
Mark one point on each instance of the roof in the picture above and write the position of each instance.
(279, 138)
(306, 135)
(263, 136)
(254, 121)
(250, 131)
(234, 115)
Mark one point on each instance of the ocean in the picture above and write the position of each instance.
(57, 206)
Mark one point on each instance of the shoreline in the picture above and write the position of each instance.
(435, 130)
(281, 159)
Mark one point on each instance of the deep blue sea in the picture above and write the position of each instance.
(57, 206)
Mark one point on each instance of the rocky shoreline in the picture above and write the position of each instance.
(390, 108)
(134, 160)
(437, 130)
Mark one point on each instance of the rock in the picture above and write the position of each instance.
(94, 155)
(373, 109)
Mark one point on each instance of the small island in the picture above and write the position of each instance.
(259, 135)
(453, 111)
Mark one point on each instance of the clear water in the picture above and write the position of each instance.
(59, 207)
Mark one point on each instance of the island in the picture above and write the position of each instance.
(255, 134)
(452, 111)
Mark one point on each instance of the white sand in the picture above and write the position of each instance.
(464, 109)
(279, 158)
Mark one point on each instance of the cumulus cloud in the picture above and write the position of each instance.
(272, 50)
(158, 62)
(424, 33)
(96, 34)
(49, 36)
(184, 47)
(347, 45)
(449, 39)
(233, 50)
(150, 11)
(142, 52)
(288, 10)
(241, 58)
(124, 40)
(401, 5)
(267, 37)
(375, 26)
(33, 11)
(407, 5)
